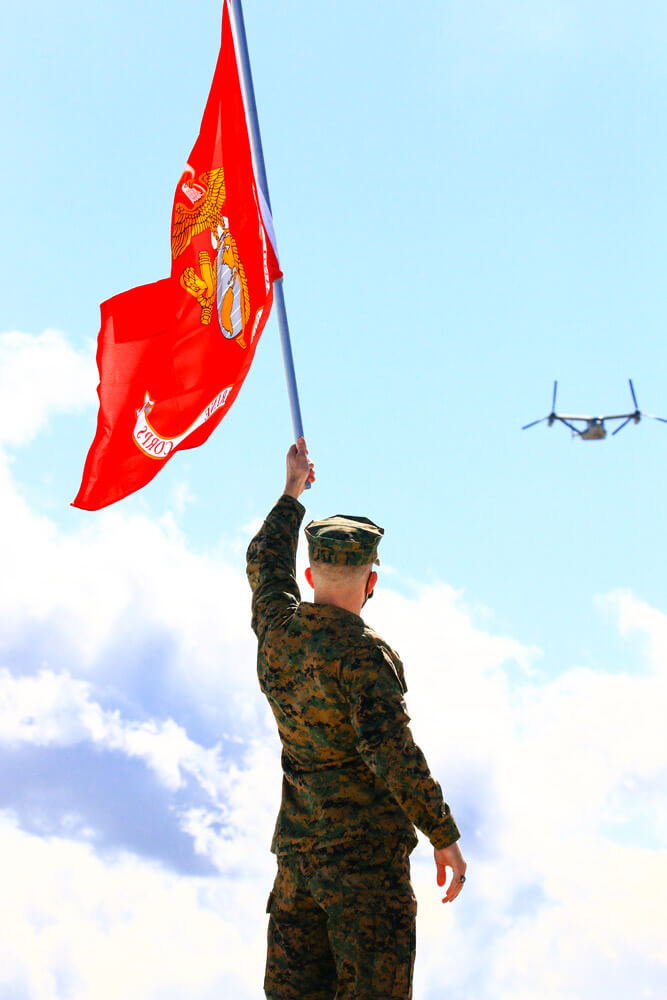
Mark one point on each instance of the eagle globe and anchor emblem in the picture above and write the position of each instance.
(220, 281)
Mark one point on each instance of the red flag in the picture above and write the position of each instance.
(172, 356)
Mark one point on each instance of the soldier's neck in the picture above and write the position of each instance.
(349, 602)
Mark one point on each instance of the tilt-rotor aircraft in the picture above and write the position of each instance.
(594, 429)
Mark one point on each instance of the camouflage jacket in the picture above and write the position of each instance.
(351, 768)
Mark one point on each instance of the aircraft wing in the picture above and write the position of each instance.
(564, 420)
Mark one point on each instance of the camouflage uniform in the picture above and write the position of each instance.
(342, 910)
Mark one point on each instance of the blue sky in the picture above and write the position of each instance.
(469, 202)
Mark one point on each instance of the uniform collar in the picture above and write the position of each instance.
(333, 612)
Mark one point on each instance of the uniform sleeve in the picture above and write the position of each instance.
(375, 686)
(271, 566)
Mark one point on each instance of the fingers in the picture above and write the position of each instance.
(299, 451)
(457, 883)
(298, 454)
(299, 448)
(450, 857)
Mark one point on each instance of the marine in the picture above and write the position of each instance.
(342, 912)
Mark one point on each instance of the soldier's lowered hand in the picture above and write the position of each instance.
(450, 857)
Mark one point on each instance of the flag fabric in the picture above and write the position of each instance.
(172, 355)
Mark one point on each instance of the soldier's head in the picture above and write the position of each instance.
(342, 550)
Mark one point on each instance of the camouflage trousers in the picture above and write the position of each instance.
(342, 925)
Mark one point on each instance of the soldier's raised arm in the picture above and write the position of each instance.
(271, 556)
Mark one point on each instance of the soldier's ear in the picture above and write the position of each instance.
(309, 576)
(370, 585)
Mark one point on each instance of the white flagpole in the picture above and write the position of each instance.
(258, 157)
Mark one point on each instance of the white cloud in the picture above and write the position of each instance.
(40, 376)
(78, 926)
(122, 580)
(637, 617)
(54, 710)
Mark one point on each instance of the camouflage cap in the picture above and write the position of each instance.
(344, 540)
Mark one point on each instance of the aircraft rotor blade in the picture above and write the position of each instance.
(653, 417)
(540, 421)
(634, 398)
(553, 402)
(621, 426)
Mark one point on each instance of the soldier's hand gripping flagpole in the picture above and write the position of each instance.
(258, 157)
